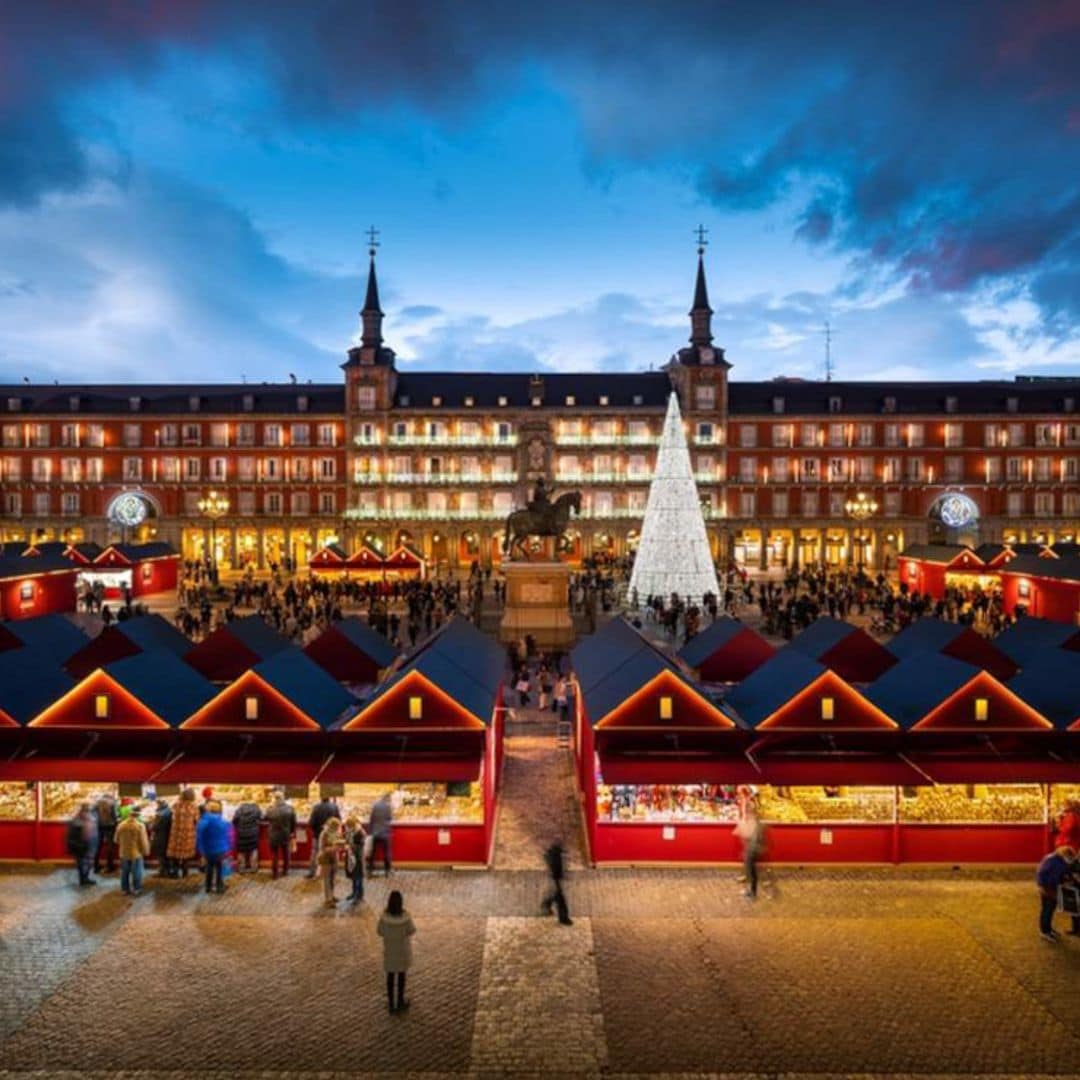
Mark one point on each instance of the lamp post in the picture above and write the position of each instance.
(213, 505)
(861, 508)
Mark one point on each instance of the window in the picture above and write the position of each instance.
(327, 468)
(245, 503)
(954, 435)
(951, 404)
(302, 402)
(299, 503)
(809, 469)
(892, 434)
(1014, 469)
(327, 434)
(101, 706)
(1016, 435)
(273, 435)
(865, 469)
(192, 434)
(1045, 434)
(992, 470)
(251, 707)
(638, 466)
(1070, 503)
(1069, 404)
(26, 591)
(836, 404)
(132, 468)
(41, 503)
(1044, 503)
(915, 469)
(865, 434)
(11, 435)
(1014, 503)
(637, 399)
(70, 470)
(300, 434)
(781, 470)
(69, 434)
(705, 396)
(1042, 469)
(778, 405)
(782, 435)
(1012, 404)
(916, 434)
(836, 504)
(12, 469)
(836, 434)
(95, 469)
(667, 707)
(828, 708)
(889, 404)
(69, 503)
(748, 435)
(436, 400)
(638, 431)
(41, 470)
(982, 709)
(747, 470)
(954, 469)
(416, 708)
(219, 435)
(218, 468)
(365, 398)
(272, 502)
(603, 503)
(247, 403)
(245, 434)
(838, 468)
(780, 503)
(436, 431)
(747, 504)
(436, 502)
(706, 466)
(300, 470)
(192, 468)
(170, 469)
(705, 433)
(809, 435)
(327, 502)
(537, 402)
(245, 468)
(810, 503)
(892, 503)
(169, 435)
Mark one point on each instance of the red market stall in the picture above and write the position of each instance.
(431, 735)
(235, 647)
(848, 650)
(923, 567)
(329, 559)
(405, 564)
(352, 651)
(1046, 588)
(725, 651)
(33, 585)
(141, 568)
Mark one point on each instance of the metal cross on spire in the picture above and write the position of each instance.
(702, 239)
(373, 240)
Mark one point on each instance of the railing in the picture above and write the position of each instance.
(607, 440)
(451, 440)
(429, 479)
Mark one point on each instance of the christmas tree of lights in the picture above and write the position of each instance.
(673, 555)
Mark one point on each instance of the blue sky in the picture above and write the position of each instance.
(185, 188)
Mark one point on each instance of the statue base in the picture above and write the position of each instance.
(537, 604)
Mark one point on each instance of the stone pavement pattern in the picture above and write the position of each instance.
(665, 972)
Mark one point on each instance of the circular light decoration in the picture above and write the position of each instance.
(128, 510)
(956, 511)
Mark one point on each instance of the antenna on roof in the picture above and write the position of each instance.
(828, 332)
(292, 378)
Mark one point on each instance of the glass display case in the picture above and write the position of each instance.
(61, 798)
(18, 801)
(667, 802)
(974, 804)
(790, 805)
(1060, 797)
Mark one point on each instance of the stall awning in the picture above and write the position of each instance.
(349, 768)
(75, 769)
(994, 770)
(677, 769)
(838, 771)
(225, 770)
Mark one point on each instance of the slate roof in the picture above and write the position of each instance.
(924, 635)
(49, 547)
(15, 566)
(223, 399)
(163, 683)
(30, 681)
(988, 552)
(462, 662)
(935, 553)
(774, 684)
(55, 635)
(135, 552)
(710, 640)
(368, 640)
(301, 681)
(154, 632)
(1050, 684)
(257, 634)
(917, 685)
(1029, 638)
(485, 388)
(1066, 568)
(820, 636)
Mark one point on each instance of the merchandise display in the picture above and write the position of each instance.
(60, 799)
(17, 802)
(827, 804)
(975, 804)
(1060, 796)
(667, 802)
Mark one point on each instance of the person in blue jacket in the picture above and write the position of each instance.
(1055, 870)
(213, 841)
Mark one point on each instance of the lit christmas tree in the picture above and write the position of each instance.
(674, 555)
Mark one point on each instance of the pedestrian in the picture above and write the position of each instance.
(281, 830)
(555, 859)
(751, 831)
(379, 829)
(245, 823)
(82, 839)
(134, 845)
(159, 838)
(331, 844)
(544, 682)
(522, 687)
(396, 929)
(213, 841)
(105, 808)
(181, 845)
(1068, 826)
(1055, 870)
(321, 813)
(561, 701)
(355, 837)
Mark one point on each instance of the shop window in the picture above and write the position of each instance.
(26, 591)
(828, 708)
(101, 706)
(416, 708)
(982, 709)
(667, 707)
(251, 707)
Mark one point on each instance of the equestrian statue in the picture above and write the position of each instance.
(542, 517)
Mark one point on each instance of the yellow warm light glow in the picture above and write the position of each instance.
(828, 708)
(982, 709)
(667, 707)
(416, 708)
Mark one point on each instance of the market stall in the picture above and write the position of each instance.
(1030, 638)
(936, 636)
(366, 563)
(34, 585)
(1045, 587)
(127, 638)
(232, 649)
(404, 564)
(329, 559)
(923, 567)
(54, 634)
(846, 649)
(138, 569)
(725, 651)
(431, 735)
(352, 651)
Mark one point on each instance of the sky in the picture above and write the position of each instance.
(186, 188)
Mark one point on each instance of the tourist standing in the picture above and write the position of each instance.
(331, 844)
(379, 828)
(105, 808)
(555, 859)
(355, 837)
(245, 823)
(396, 930)
(82, 839)
(159, 837)
(181, 845)
(1055, 870)
(213, 841)
(134, 845)
(281, 828)
(321, 813)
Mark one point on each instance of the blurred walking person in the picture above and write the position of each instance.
(106, 811)
(555, 859)
(751, 831)
(159, 838)
(82, 840)
(396, 930)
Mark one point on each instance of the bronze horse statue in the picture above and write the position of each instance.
(548, 521)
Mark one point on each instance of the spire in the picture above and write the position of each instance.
(701, 313)
(371, 317)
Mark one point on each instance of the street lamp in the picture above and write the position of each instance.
(213, 506)
(861, 508)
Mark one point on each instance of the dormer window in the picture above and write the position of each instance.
(1069, 404)
(251, 707)
(835, 404)
(951, 404)
(889, 404)
(1012, 404)
(436, 401)
(638, 399)
(403, 400)
(502, 399)
(571, 400)
(73, 403)
(302, 403)
(778, 405)
(470, 401)
(982, 710)
(135, 403)
(828, 708)
(537, 402)
(247, 402)
(101, 706)
(416, 708)
(14, 404)
(193, 403)
(604, 399)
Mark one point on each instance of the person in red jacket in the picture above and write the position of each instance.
(1068, 827)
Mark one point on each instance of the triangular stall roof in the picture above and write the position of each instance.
(366, 557)
(329, 557)
(1029, 639)
(930, 635)
(1066, 568)
(726, 651)
(405, 559)
(140, 633)
(352, 651)
(941, 554)
(54, 634)
(30, 681)
(236, 647)
(846, 649)
(164, 683)
(1050, 684)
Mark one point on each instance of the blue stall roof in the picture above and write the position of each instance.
(163, 683)
(156, 549)
(1029, 638)
(258, 635)
(924, 635)
(300, 680)
(15, 566)
(710, 640)
(774, 684)
(154, 632)
(820, 636)
(54, 634)
(918, 684)
(368, 640)
(1050, 684)
(31, 680)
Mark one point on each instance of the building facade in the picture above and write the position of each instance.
(438, 459)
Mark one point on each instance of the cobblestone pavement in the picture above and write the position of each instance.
(665, 972)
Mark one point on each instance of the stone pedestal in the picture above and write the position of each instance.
(536, 604)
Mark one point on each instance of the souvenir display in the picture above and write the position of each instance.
(998, 804)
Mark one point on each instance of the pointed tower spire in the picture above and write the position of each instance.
(372, 316)
(701, 313)
(674, 554)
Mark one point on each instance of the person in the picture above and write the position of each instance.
(522, 688)
(561, 702)
(555, 859)
(245, 824)
(212, 841)
(396, 929)
(159, 838)
(379, 828)
(355, 836)
(105, 808)
(1068, 826)
(133, 844)
(1055, 870)
(751, 831)
(540, 503)
(281, 822)
(544, 681)
(181, 845)
(331, 843)
(321, 813)
(82, 838)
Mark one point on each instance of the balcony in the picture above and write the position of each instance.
(451, 440)
(607, 440)
(421, 513)
(603, 478)
(435, 479)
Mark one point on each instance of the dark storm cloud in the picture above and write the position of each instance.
(937, 142)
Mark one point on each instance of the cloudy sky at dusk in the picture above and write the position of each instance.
(185, 188)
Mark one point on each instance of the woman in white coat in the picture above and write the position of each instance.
(396, 929)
